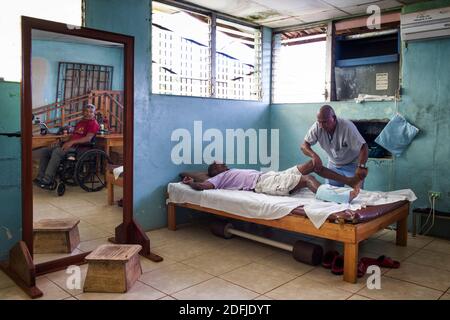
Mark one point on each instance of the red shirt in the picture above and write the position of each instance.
(83, 128)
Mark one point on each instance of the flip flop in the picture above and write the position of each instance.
(362, 268)
(337, 267)
(381, 261)
(328, 258)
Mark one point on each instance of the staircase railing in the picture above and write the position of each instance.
(68, 112)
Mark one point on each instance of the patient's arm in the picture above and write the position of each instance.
(198, 185)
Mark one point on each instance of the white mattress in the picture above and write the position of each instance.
(261, 206)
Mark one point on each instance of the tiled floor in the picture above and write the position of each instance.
(97, 218)
(199, 265)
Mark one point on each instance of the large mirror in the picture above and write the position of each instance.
(77, 142)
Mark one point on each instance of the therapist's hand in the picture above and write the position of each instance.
(361, 173)
(317, 164)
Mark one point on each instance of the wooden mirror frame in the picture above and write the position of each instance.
(21, 267)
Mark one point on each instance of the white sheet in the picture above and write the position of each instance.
(261, 206)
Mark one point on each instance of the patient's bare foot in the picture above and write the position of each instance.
(354, 193)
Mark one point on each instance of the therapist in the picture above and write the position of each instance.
(346, 149)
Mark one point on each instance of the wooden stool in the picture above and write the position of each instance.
(113, 268)
(56, 235)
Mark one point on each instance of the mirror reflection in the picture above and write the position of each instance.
(78, 112)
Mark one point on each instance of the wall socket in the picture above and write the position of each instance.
(434, 194)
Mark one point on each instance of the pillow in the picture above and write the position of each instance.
(397, 135)
(198, 176)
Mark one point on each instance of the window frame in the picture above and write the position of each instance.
(389, 19)
(213, 17)
(304, 28)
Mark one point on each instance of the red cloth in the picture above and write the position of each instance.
(83, 128)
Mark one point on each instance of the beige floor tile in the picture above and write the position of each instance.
(139, 291)
(218, 262)
(325, 277)
(71, 298)
(13, 293)
(70, 202)
(186, 249)
(439, 245)
(358, 297)
(284, 261)
(445, 297)
(422, 275)
(66, 280)
(418, 241)
(148, 265)
(90, 245)
(167, 298)
(5, 281)
(392, 289)
(215, 289)
(252, 249)
(50, 290)
(303, 288)
(385, 248)
(174, 277)
(431, 258)
(103, 218)
(89, 232)
(51, 213)
(257, 277)
(263, 297)
(44, 257)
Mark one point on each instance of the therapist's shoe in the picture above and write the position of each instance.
(328, 258)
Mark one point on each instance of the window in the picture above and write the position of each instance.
(299, 66)
(184, 43)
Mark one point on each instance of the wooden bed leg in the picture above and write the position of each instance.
(171, 217)
(110, 190)
(350, 262)
(402, 232)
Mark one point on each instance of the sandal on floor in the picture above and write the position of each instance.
(328, 258)
(362, 268)
(381, 261)
(337, 267)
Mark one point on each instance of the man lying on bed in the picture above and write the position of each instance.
(280, 183)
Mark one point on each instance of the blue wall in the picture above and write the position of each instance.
(54, 52)
(10, 161)
(156, 116)
(425, 103)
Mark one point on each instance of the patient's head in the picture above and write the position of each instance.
(216, 168)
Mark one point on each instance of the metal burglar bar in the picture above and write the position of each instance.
(215, 58)
(78, 79)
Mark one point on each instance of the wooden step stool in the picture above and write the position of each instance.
(113, 268)
(56, 235)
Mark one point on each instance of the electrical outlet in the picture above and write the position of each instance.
(434, 194)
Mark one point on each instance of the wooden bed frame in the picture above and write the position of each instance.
(350, 234)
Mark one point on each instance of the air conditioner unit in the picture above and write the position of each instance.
(427, 24)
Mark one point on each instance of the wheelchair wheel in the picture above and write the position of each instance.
(90, 170)
(61, 189)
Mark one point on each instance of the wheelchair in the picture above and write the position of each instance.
(85, 167)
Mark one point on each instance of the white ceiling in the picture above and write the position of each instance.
(283, 13)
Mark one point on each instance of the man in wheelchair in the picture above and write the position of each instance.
(85, 130)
